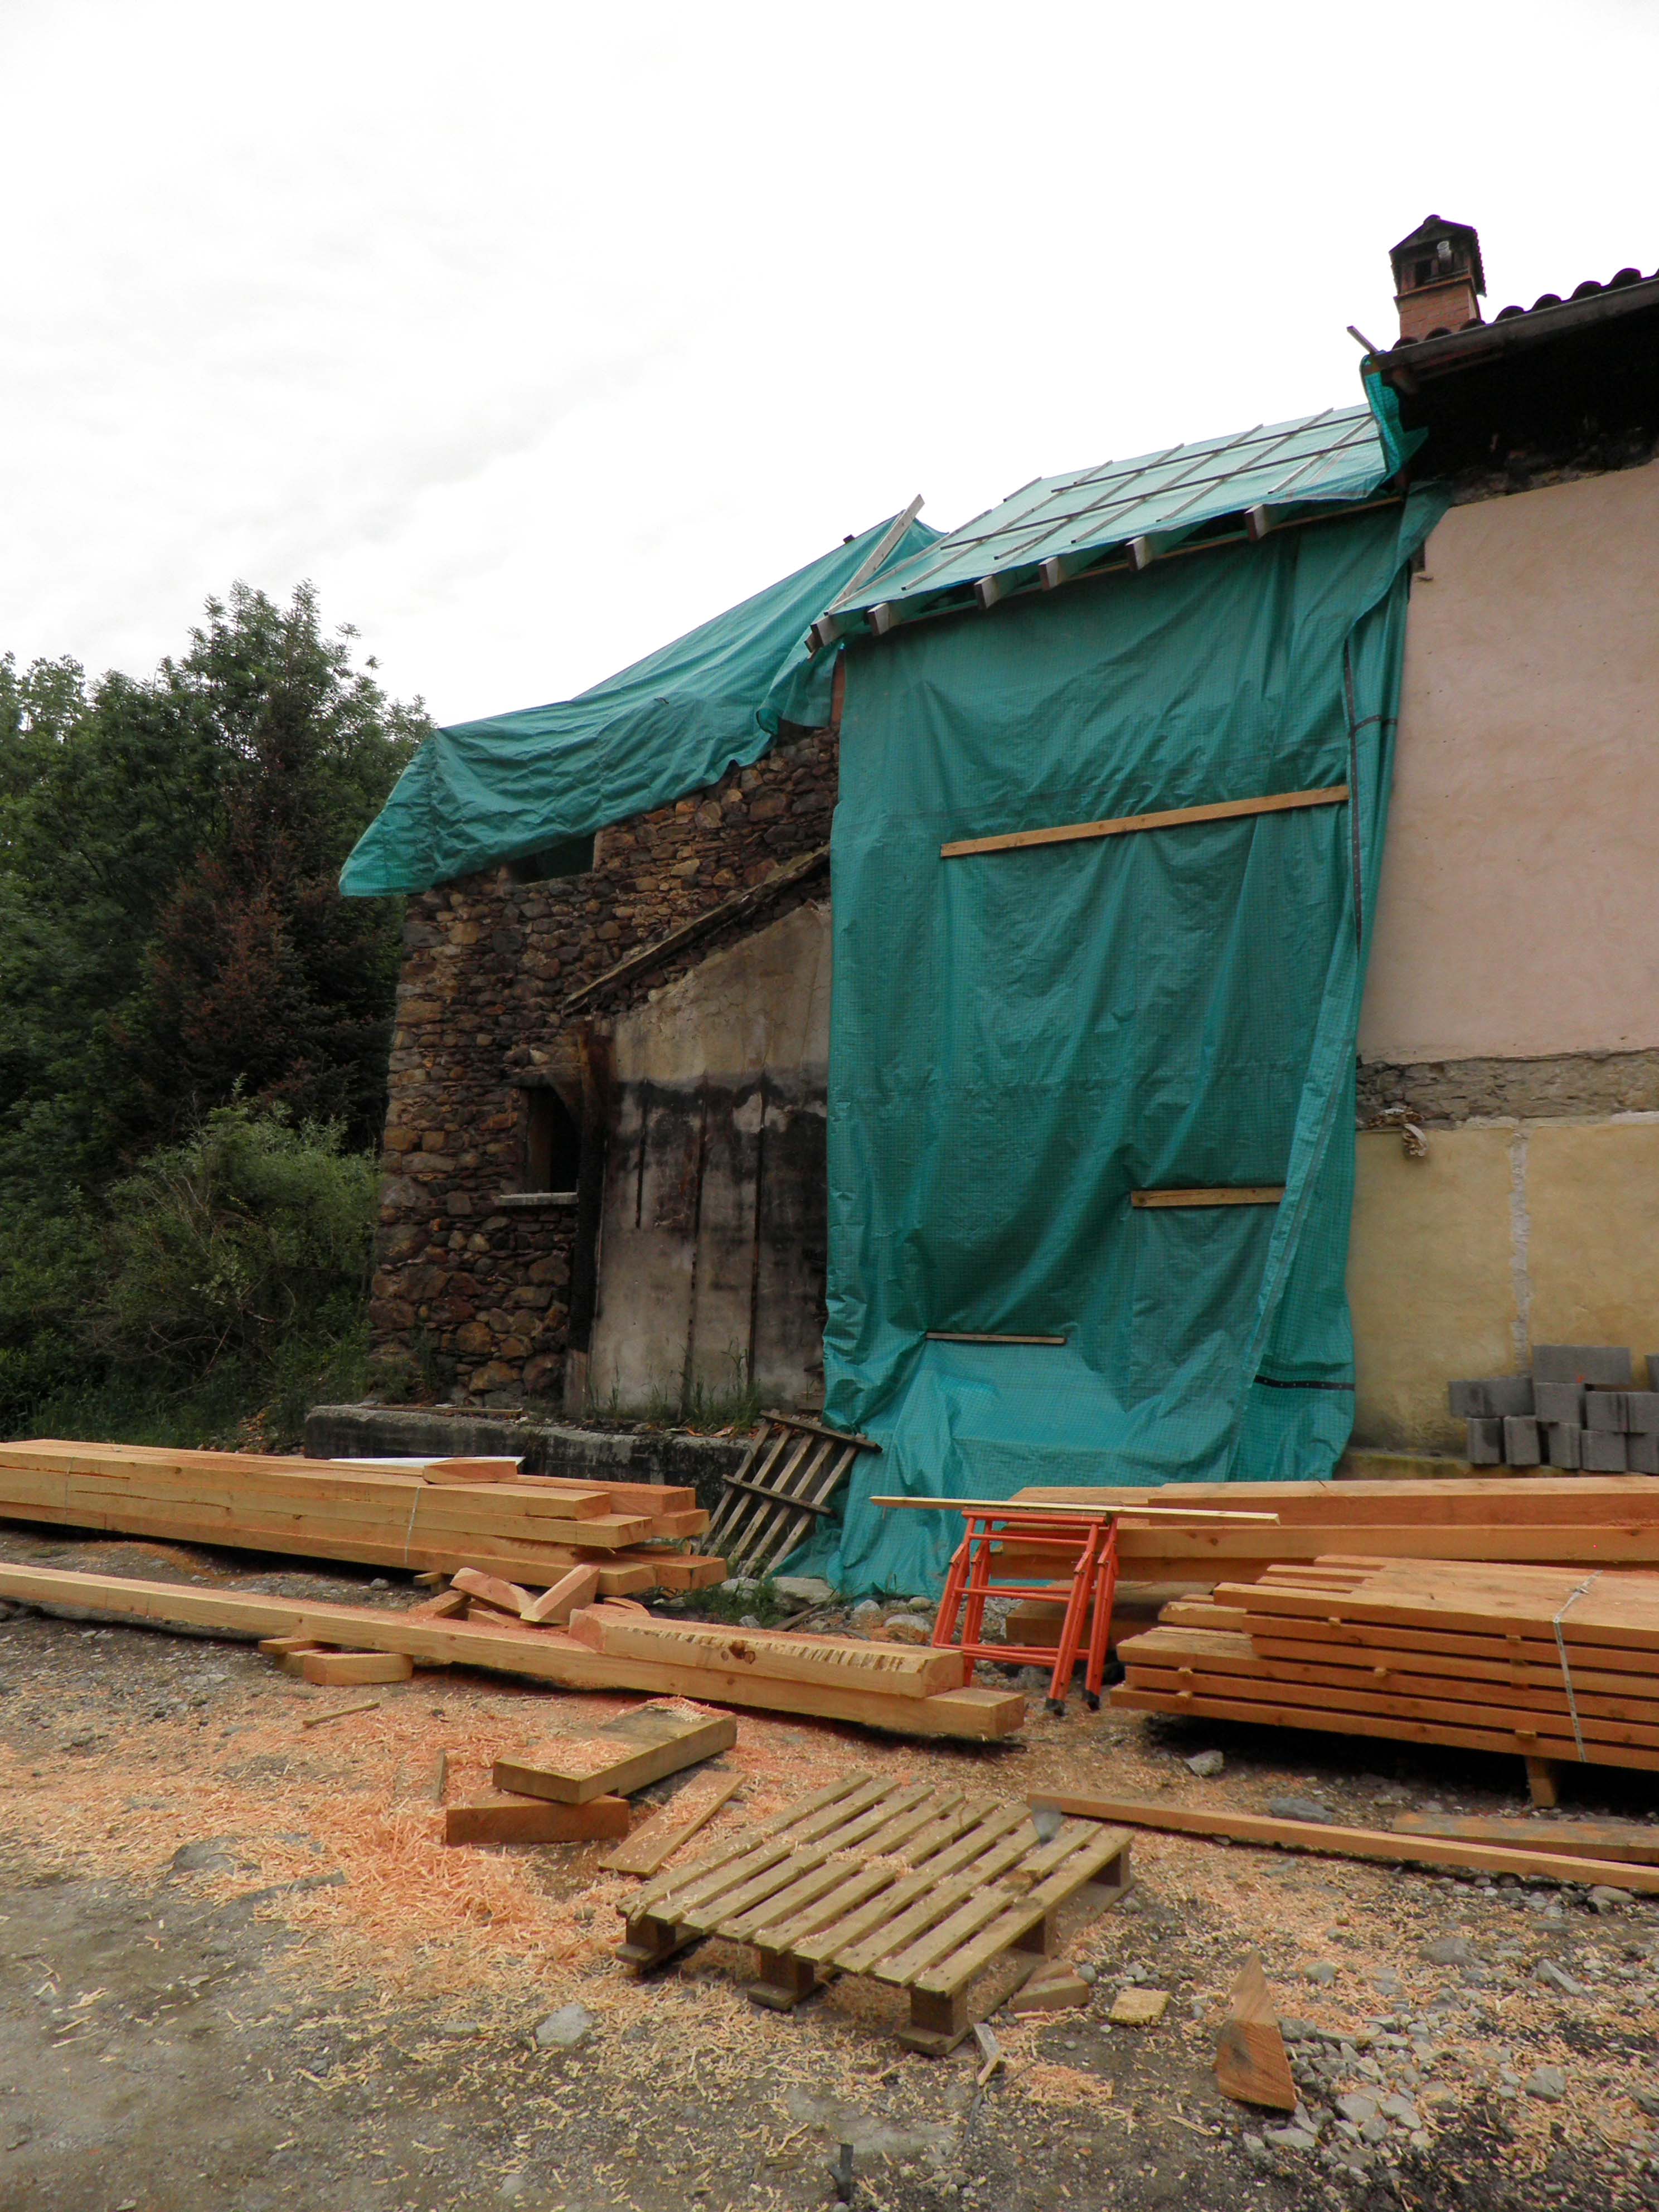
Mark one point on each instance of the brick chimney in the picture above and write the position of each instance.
(1438, 278)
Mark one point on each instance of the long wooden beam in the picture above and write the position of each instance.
(1171, 818)
(544, 1654)
(1340, 1843)
(995, 1507)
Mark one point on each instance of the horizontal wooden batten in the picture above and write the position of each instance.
(1243, 1193)
(965, 1336)
(1172, 817)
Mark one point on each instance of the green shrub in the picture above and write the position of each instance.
(253, 1236)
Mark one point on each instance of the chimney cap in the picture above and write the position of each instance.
(1428, 235)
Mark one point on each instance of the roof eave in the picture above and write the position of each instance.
(1432, 357)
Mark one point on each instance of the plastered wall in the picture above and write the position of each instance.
(1518, 910)
(712, 1247)
(1509, 1234)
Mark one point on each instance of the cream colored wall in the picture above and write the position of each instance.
(1509, 1234)
(1518, 911)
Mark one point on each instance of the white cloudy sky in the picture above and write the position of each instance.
(534, 333)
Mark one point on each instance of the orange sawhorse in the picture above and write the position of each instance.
(1088, 1547)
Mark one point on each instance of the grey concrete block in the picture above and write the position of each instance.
(1607, 1365)
(1522, 1445)
(1564, 1445)
(1642, 1452)
(1604, 1452)
(1491, 1399)
(1642, 1411)
(1559, 1401)
(1485, 1443)
(1605, 1409)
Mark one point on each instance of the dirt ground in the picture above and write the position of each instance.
(239, 1972)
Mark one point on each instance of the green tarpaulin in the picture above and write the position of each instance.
(482, 793)
(1022, 1039)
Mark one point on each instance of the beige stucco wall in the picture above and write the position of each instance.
(1508, 1235)
(1518, 911)
(763, 1002)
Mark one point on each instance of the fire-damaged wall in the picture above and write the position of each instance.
(502, 1107)
(711, 1262)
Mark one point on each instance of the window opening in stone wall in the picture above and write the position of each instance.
(553, 1143)
(571, 856)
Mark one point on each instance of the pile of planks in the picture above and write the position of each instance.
(1600, 1520)
(612, 1645)
(438, 1515)
(927, 1890)
(1555, 1663)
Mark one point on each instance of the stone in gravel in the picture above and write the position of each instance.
(1292, 2139)
(1296, 1808)
(865, 1614)
(1557, 1978)
(1133, 2008)
(904, 1628)
(1090, 1974)
(924, 1604)
(1206, 1765)
(563, 2030)
(1323, 1971)
(744, 1586)
(1606, 1899)
(208, 1856)
(750, 1620)
(1402, 2110)
(1375, 2129)
(1451, 1951)
(1357, 2106)
(1387, 1984)
(804, 1589)
(1549, 2082)
(1297, 2031)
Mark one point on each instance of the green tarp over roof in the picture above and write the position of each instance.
(481, 793)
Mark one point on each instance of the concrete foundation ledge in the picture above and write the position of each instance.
(545, 1447)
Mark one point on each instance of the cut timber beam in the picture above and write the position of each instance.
(625, 1755)
(503, 1820)
(1338, 1843)
(341, 1670)
(708, 1671)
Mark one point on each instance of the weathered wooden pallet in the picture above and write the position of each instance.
(787, 1480)
(923, 1889)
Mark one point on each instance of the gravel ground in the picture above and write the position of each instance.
(238, 1971)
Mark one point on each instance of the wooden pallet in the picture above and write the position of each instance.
(923, 1889)
(787, 1481)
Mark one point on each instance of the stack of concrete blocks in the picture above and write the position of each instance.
(1576, 1411)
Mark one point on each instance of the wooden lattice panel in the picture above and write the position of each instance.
(923, 1889)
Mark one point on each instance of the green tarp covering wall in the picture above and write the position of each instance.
(1021, 1039)
(482, 793)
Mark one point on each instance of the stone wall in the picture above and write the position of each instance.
(475, 1278)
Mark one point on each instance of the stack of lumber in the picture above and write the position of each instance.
(1602, 1520)
(611, 1646)
(438, 1515)
(1555, 1663)
(924, 1889)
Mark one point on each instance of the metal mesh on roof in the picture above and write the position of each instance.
(1058, 526)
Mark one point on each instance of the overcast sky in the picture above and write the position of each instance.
(534, 334)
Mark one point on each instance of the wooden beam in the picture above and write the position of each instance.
(996, 1506)
(1338, 1843)
(658, 1836)
(1243, 1193)
(1173, 817)
(874, 1683)
(703, 925)
(1251, 2063)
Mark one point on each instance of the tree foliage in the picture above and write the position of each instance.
(192, 1021)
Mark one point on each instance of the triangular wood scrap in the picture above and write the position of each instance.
(1250, 2061)
(506, 1597)
(579, 1587)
